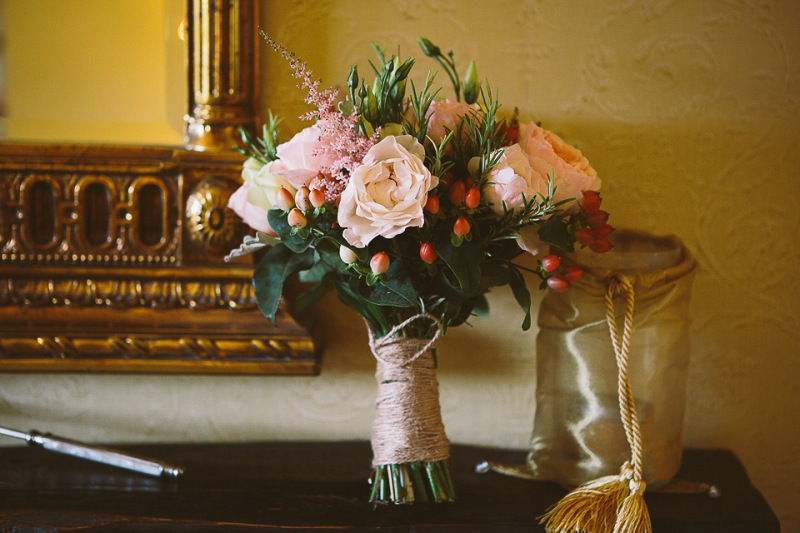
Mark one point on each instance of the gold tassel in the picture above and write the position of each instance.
(611, 504)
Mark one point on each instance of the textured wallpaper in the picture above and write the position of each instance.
(690, 113)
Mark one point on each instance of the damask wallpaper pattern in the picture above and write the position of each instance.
(689, 111)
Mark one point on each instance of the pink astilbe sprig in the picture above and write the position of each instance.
(339, 131)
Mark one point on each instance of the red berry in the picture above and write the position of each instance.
(473, 198)
(461, 226)
(597, 219)
(591, 202)
(447, 179)
(551, 262)
(432, 205)
(601, 246)
(558, 283)
(585, 236)
(458, 191)
(573, 273)
(603, 231)
(379, 263)
(427, 252)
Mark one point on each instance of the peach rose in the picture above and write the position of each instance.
(548, 153)
(445, 116)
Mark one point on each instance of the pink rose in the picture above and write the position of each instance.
(446, 116)
(258, 194)
(547, 154)
(386, 194)
(304, 156)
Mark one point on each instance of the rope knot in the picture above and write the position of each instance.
(379, 345)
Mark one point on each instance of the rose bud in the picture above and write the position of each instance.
(558, 283)
(573, 273)
(284, 200)
(379, 263)
(550, 262)
(427, 252)
(297, 219)
(347, 255)
(301, 199)
(432, 205)
(316, 197)
(461, 226)
(458, 190)
(473, 198)
(591, 201)
(585, 236)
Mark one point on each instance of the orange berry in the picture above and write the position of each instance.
(461, 226)
(297, 219)
(585, 236)
(473, 198)
(317, 197)
(428, 253)
(458, 191)
(379, 263)
(573, 273)
(551, 262)
(284, 200)
(432, 205)
(558, 283)
(301, 199)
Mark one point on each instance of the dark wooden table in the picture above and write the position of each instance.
(253, 487)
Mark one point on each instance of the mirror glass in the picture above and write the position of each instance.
(92, 71)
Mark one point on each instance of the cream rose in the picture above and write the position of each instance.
(386, 194)
(513, 181)
(258, 193)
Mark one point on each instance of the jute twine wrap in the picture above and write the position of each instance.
(408, 423)
(612, 503)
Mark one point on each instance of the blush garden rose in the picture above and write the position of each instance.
(387, 193)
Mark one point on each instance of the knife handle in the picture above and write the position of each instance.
(107, 456)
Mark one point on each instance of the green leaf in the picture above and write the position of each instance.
(520, 290)
(277, 220)
(463, 260)
(397, 290)
(277, 264)
(553, 231)
(481, 308)
(308, 298)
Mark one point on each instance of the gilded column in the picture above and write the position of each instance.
(222, 72)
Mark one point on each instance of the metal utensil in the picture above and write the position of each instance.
(98, 454)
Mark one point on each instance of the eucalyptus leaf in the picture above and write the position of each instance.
(277, 264)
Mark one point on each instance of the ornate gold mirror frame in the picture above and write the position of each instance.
(111, 258)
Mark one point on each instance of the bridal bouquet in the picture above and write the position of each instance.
(412, 207)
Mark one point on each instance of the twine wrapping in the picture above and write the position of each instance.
(408, 424)
(611, 503)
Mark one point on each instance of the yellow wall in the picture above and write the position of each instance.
(688, 110)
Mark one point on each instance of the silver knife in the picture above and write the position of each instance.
(98, 454)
